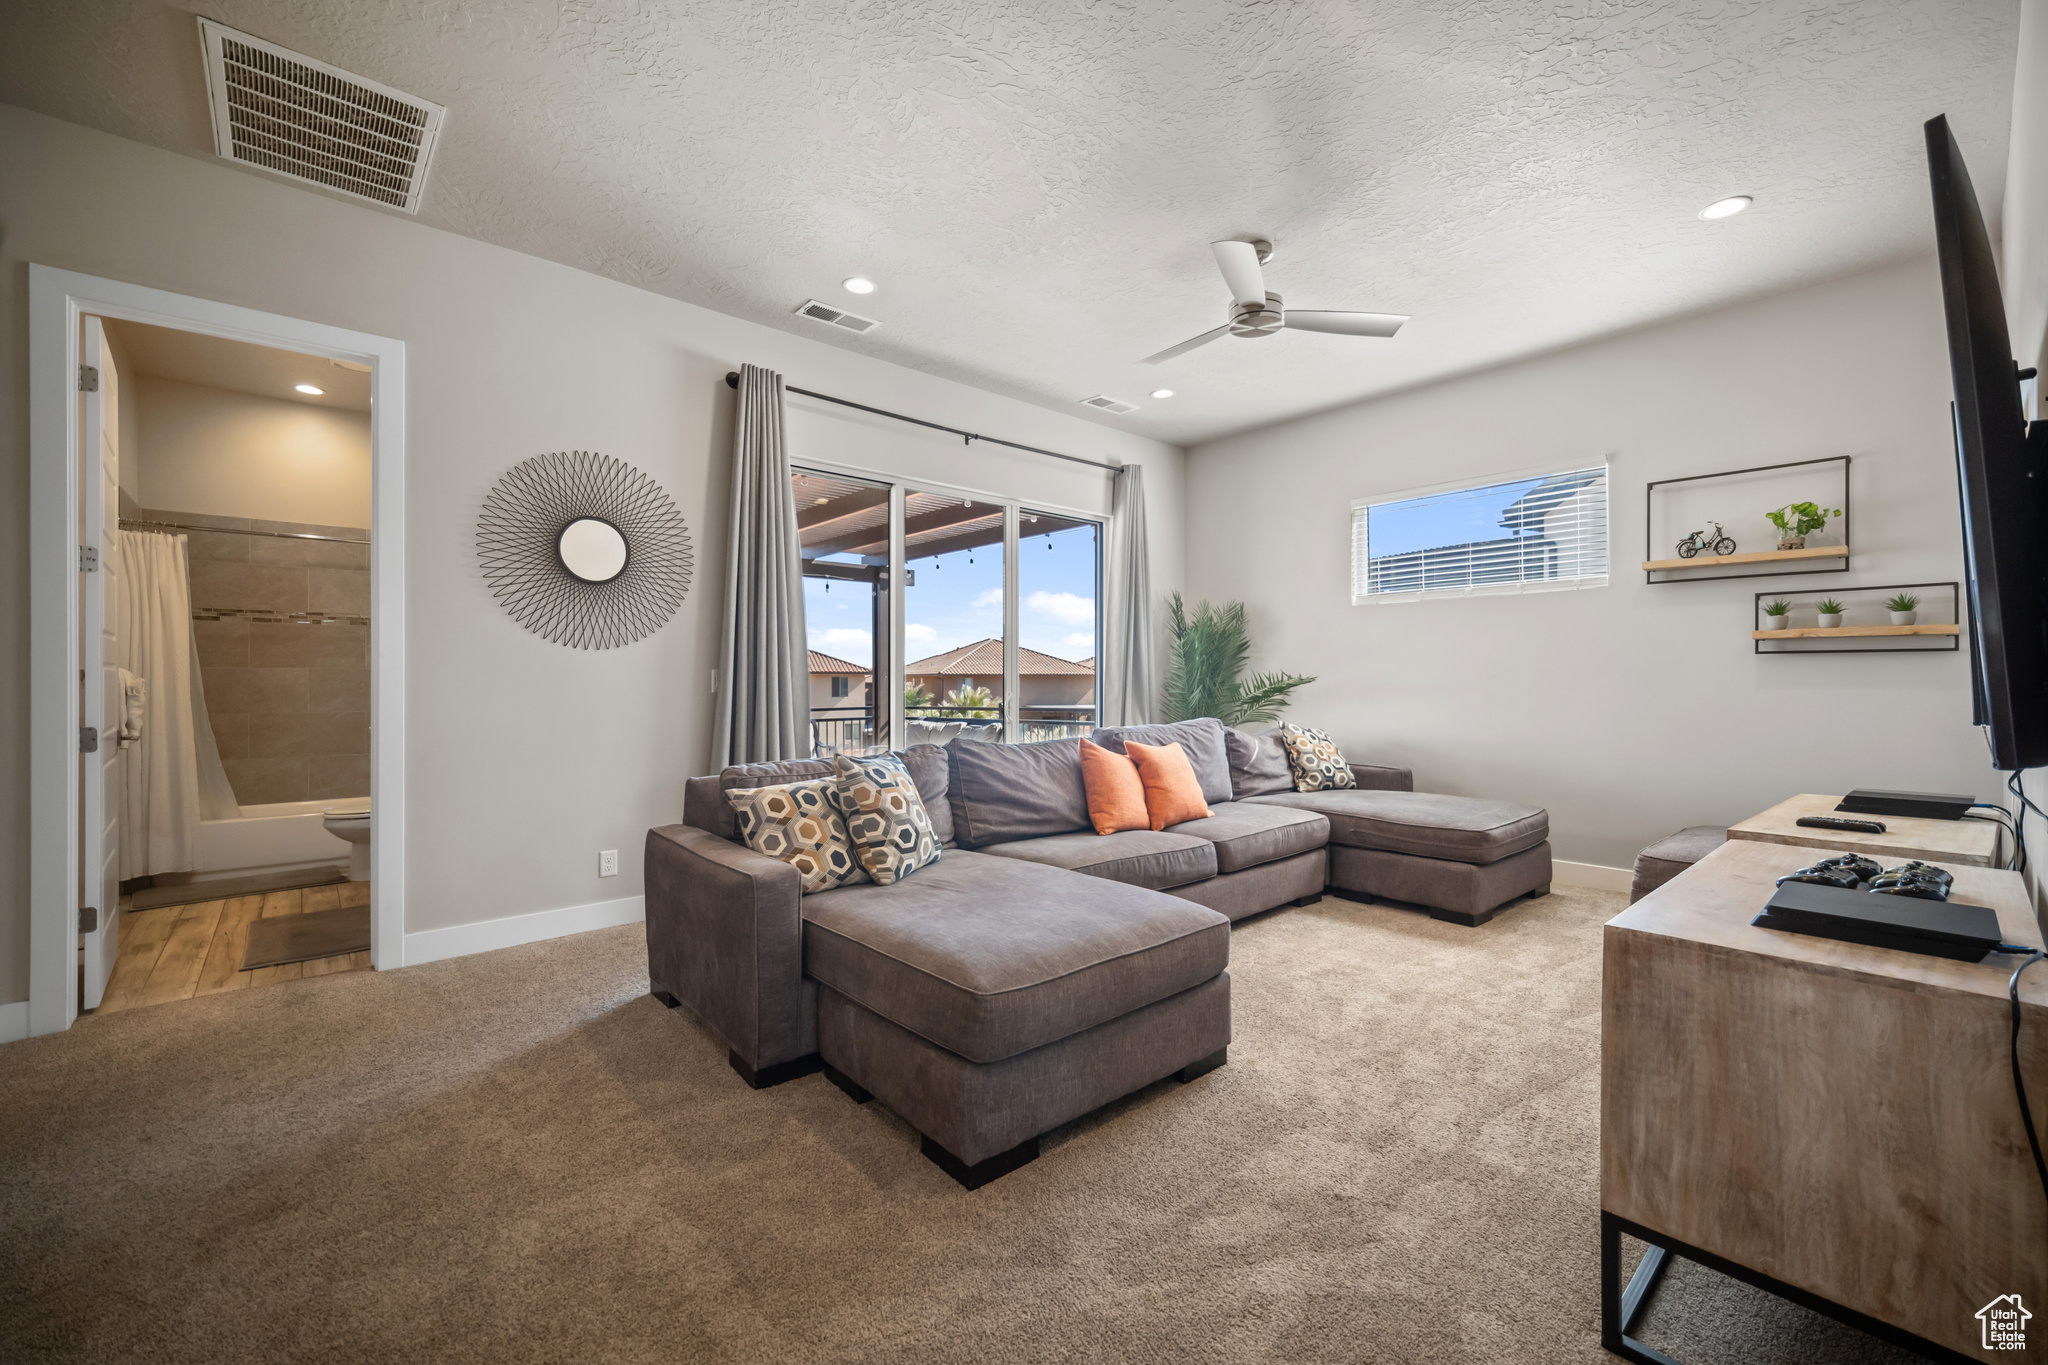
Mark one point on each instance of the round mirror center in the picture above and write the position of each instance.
(592, 550)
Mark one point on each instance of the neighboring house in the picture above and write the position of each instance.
(837, 685)
(1043, 680)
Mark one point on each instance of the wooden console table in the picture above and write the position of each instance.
(1831, 1122)
(1974, 842)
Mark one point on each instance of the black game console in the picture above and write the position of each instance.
(1965, 933)
(1917, 805)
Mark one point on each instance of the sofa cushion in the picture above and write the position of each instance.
(885, 817)
(1015, 791)
(1246, 835)
(1258, 763)
(1316, 761)
(1671, 855)
(1116, 794)
(801, 824)
(933, 774)
(1201, 740)
(989, 957)
(1136, 857)
(1173, 794)
(1461, 829)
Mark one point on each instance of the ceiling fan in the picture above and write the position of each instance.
(1256, 313)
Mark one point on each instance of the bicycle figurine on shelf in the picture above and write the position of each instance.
(1720, 543)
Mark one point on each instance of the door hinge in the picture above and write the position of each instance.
(88, 379)
(88, 558)
(88, 740)
(88, 918)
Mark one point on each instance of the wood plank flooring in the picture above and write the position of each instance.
(182, 951)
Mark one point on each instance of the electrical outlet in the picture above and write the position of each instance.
(608, 863)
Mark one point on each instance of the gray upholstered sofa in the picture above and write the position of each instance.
(1038, 970)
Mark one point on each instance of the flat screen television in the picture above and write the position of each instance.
(2002, 473)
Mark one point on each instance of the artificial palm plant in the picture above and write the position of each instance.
(1210, 646)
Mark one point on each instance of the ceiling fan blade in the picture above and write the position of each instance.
(1345, 324)
(1186, 346)
(1239, 262)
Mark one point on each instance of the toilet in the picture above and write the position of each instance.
(353, 825)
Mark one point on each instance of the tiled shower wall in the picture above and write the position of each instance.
(283, 629)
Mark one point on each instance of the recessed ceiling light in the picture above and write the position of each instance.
(857, 285)
(1726, 208)
(1162, 393)
(308, 388)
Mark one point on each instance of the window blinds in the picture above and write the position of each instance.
(1523, 535)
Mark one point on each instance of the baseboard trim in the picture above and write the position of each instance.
(1591, 875)
(432, 945)
(14, 1021)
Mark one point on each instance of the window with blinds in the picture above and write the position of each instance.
(1530, 534)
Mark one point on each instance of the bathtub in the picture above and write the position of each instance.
(275, 838)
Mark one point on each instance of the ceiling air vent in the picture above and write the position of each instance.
(1108, 404)
(852, 322)
(311, 122)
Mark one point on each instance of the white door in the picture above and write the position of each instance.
(100, 702)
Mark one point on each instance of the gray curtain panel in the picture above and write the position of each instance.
(764, 671)
(1128, 690)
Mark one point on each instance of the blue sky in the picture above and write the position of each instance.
(955, 602)
(1456, 520)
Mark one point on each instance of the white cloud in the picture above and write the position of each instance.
(1075, 611)
(1078, 645)
(992, 598)
(851, 645)
(919, 635)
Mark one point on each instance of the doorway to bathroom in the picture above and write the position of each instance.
(232, 647)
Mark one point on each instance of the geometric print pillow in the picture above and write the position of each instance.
(800, 824)
(1318, 765)
(885, 817)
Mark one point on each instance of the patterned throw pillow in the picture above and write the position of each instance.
(799, 823)
(885, 817)
(1317, 763)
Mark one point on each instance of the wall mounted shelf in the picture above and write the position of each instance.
(1840, 552)
(1841, 632)
(1866, 622)
(1692, 503)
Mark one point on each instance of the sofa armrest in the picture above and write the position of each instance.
(725, 936)
(1375, 779)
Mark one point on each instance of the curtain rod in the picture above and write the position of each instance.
(132, 524)
(732, 381)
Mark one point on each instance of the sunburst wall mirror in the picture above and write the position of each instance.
(584, 550)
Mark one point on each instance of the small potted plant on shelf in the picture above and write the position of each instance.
(1904, 607)
(1798, 520)
(1777, 615)
(1830, 613)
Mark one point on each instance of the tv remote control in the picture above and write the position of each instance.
(1830, 822)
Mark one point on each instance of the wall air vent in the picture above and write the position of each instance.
(852, 322)
(1108, 404)
(314, 123)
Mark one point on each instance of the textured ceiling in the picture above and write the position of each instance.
(1033, 186)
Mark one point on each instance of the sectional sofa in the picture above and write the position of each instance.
(1040, 970)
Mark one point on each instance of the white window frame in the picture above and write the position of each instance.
(1013, 510)
(1362, 505)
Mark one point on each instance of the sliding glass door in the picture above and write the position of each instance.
(998, 631)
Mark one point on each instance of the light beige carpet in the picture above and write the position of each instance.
(521, 1157)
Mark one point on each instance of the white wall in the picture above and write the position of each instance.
(1629, 711)
(240, 455)
(526, 758)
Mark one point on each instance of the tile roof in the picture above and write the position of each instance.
(825, 663)
(984, 659)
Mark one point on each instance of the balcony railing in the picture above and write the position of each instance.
(851, 729)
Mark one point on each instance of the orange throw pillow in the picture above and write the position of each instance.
(1116, 798)
(1172, 794)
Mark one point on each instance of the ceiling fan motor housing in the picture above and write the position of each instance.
(1257, 319)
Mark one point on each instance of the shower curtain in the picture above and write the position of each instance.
(173, 777)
